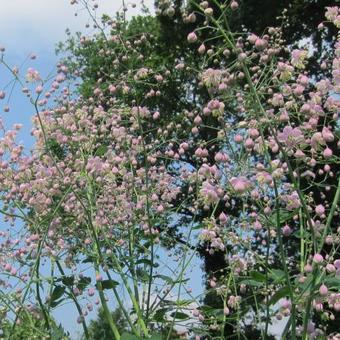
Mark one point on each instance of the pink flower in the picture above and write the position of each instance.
(327, 135)
(290, 136)
(327, 153)
(292, 201)
(320, 209)
(221, 157)
(240, 184)
(32, 75)
(331, 13)
(298, 57)
(209, 192)
(286, 304)
(260, 44)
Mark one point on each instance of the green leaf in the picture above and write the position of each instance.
(142, 275)
(108, 284)
(128, 336)
(57, 293)
(257, 276)
(147, 262)
(277, 275)
(89, 259)
(101, 151)
(179, 315)
(156, 337)
(166, 278)
(159, 314)
(68, 280)
(184, 302)
(333, 282)
(252, 283)
(84, 282)
(57, 332)
(56, 303)
(284, 217)
(281, 293)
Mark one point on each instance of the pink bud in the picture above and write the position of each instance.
(286, 230)
(192, 37)
(330, 268)
(337, 264)
(223, 218)
(197, 120)
(112, 89)
(318, 258)
(201, 49)
(327, 153)
(308, 268)
(208, 12)
(257, 225)
(327, 135)
(249, 143)
(195, 312)
(38, 89)
(238, 139)
(234, 5)
(323, 290)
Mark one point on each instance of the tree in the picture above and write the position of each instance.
(99, 328)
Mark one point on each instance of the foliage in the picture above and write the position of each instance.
(220, 143)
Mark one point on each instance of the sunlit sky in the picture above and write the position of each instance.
(39, 24)
(36, 26)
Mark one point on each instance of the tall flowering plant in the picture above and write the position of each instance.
(252, 162)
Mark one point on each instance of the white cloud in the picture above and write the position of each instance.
(36, 25)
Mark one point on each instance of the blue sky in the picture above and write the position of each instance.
(35, 26)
